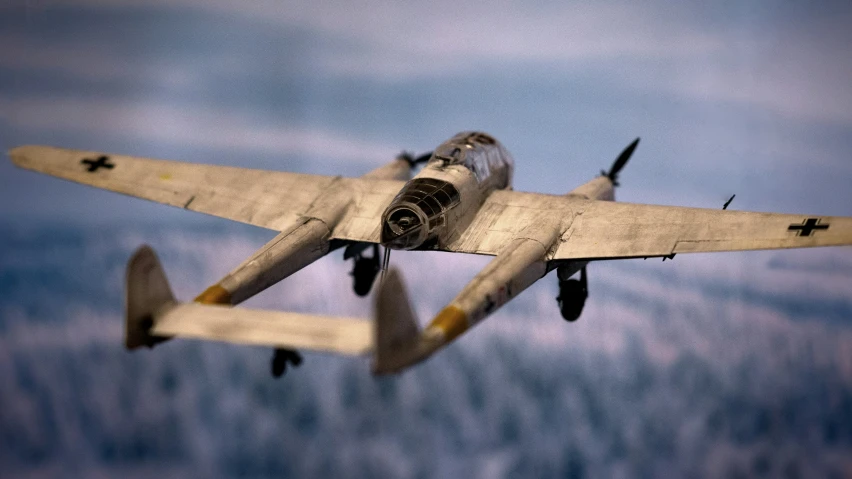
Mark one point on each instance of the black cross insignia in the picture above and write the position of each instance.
(93, 165)
(489, 304)
(807, 227)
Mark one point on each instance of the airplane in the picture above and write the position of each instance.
(460, 201)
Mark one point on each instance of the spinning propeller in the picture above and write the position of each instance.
(620, 162)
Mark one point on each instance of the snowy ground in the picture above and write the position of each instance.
(708, 366)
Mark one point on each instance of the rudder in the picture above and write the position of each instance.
(396, 332)
(147, 293)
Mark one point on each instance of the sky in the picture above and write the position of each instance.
(747, 99)
(743, 358)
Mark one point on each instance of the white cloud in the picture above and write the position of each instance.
(800, 82)
(100, 328)
(401, 40)
(194, 127)
(410, 32)
(452, 37)
(792, 72)
(797, 72)
(91, 61)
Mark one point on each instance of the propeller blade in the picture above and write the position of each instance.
(621, 161)
(414, 161)
(423, 158)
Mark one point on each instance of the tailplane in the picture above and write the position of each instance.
(153, 316)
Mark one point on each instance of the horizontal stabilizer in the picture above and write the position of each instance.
(153, 315)
(279, 329)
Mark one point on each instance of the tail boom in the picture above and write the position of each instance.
(152, 315)
(520, 264)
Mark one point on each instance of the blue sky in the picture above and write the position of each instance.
(674, 367)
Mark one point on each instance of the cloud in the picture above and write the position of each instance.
(786, 67)
(197, 127)
(803, 82)
(90, 61)
(408, 40)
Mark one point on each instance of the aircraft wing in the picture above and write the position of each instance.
(603, 229)
(506, 215)
(269, 199)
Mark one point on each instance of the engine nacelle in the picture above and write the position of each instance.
(572, 296)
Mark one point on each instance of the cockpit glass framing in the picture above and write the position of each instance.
(432, 196)
(478, 152)
(449, 154)
(417, 210)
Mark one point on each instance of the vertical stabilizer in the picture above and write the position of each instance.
(147, 294)
(396, 332)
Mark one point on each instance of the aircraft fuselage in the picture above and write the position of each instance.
(441, 200)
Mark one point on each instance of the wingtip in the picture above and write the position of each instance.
(24, 155)
(18, 154)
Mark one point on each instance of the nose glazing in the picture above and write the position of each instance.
(404, 228)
